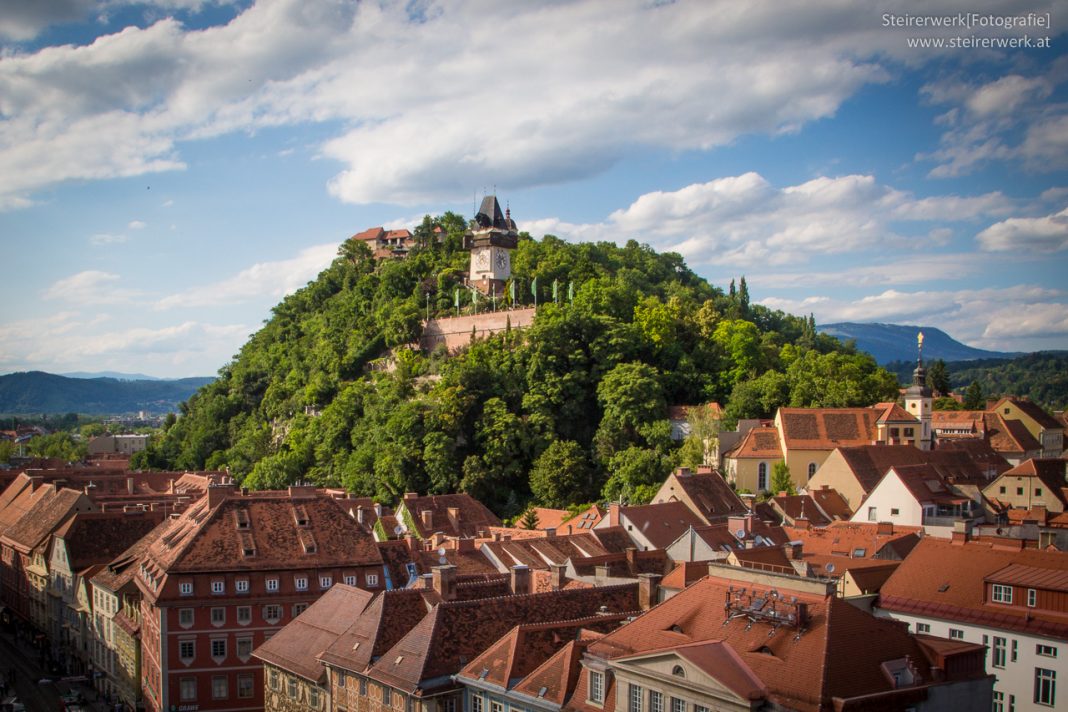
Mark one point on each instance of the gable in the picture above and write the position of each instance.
(707, 669)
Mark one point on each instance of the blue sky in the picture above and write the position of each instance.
(170, 169)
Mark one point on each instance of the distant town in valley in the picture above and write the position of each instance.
(539, 482)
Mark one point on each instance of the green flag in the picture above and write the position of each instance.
(511, 290)
(534, 290)
(556, 291)
(570, 291)
(456, 298)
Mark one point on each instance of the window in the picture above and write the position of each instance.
(185, 617)
(387, 697)
(272, 613)
(762, 476)
(811, 470)
(678, 705)
(596, 686)
(1001, 490)
(496, 706)
(894, 512)
(272, 679)
(956, 634)
(300, 583)
(241, 585)
(1038, 491)
(1032, 598)
(244, 648)
(700, 708)
(313, 697)
(1047, 651)
(363, 686)
(350, 580)
(476, 703)
(218, 587)
(372, 579)
(656, 701)
(909, 432)
(244, 615)
(186, 650)
(923, 627)
(1045, 687)
(291, 687)
(272, 584)
(873, 515)
(299, 608)
(218, 616)
(188, 687)
(218, 648)
(1019, 491)
(635, 699)
(999, 702)
(1002, 593)
(185, 588)
(1012, 658)
(220, 688)
(447, 705)
(999, 652)
(244, 686)
(325, 582)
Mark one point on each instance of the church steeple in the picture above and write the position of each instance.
(918, 400)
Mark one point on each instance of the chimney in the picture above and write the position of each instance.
(962, 532)
(413, 543)
(792, 549)
(445, 581)
(378, 509)
(884, 529)
(648, 590)
(170, 486)
(129, 485)
(632, 557)
(359, 513)
(704, 469)
(454, 518)
(427, 516)
(601, 571)
(427, 582)
(558, 575)
(736, 523)
(465, 545)
(218, 493)
(801, 523)
(613, 514)
(411, 495)
(550, 533)
(520, 579)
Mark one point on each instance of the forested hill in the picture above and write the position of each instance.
(39, 392)
(569, 410)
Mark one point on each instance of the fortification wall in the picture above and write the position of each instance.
(456, 332)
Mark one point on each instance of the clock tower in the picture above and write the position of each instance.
(491, 239)
(918, 399)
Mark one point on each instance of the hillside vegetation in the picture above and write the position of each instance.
(570, 410)
(39, 392)
(1041, 376)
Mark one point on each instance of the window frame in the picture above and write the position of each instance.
(1001, 593)
(596, 686)
(1045, 687)
(225, 681)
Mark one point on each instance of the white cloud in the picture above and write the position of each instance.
(136, 225)
(1012, 318)
(1025, 235)
(90, 287)
(425, 115)
(105, 238)
(264, 279)
(744, 220)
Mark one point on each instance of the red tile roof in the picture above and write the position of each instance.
(98, 537)
(1009, 436)
(718, 660)
(1033, 411)
(849, 538)
(45, 516)
(831, 502)
(455, 632)
(297, 646)
(800, 506)
(541, 552)
(375, 629)
(870, 462)
(893, 413)
(710, 493)
(926, 485)
(456, 515)
(826, 428)
(660, 523)
(1051, 472)
(760, 443)
(948, 580)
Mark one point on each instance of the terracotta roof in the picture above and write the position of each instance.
(1031, 576)
(1052, 472)
(869, 579)
(926, 485)
(286, 531)
(800, 506)
(555, 679)
(396, 555)
(831, 502)
(455, 632)
(375, 629)
(710, 493)
(526, 646)
(718, 660)
(1009, 436)
(1033, 411)
(832, 658)
(945, 579)
(625, 564)
(541, 552)
(893, 413)
(826, 428)
(686, 573)
(46, 515)
(98, 537)
(760, 443)
(852, 539)
(120, 571)
(297, 646)
(660, 523)
(769, 558)
(869, 463)
(471, 516)
(980, 452)
(371, 233)
(614, 539)
(551, 518)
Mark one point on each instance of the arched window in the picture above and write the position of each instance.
(678, 671)
(811, 470)
(762, 476)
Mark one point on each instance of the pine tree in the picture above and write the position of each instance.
(529, 520)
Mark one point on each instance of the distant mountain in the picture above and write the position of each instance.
(112, 374)
(39, 392)
(894, 342)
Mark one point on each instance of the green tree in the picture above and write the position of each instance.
(637, 473)
(529, 520)
(973, 397)
(739, 341)
(561, 474)
(938, 378)
(781, 480)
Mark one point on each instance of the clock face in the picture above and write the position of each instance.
(482, 260)
(502, 260)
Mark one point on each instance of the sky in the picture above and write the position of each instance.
(170, 169)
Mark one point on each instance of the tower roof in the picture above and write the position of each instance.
(490, 216)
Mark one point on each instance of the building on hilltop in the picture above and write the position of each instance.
(491, 239)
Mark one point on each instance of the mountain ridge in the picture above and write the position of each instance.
(897, 342)
(26, 392)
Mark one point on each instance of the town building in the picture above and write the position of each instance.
(491, 240)
(226, 575)
(919, 496)
(1033, 484)
(447, 515)
(705, 492)
(651, 526)
(124, 444)
(1010, 600)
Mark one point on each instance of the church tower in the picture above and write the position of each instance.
(491, 240)
(918, 400)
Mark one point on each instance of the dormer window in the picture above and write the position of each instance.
(300, 515)
(185, 588)
(301, 583)
(241, 517)
(1002, 594)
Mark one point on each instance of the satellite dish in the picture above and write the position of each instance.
(441, 551)
(830, 568)
(398, 530)
(740, 533)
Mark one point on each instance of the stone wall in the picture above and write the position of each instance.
(455, 332)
